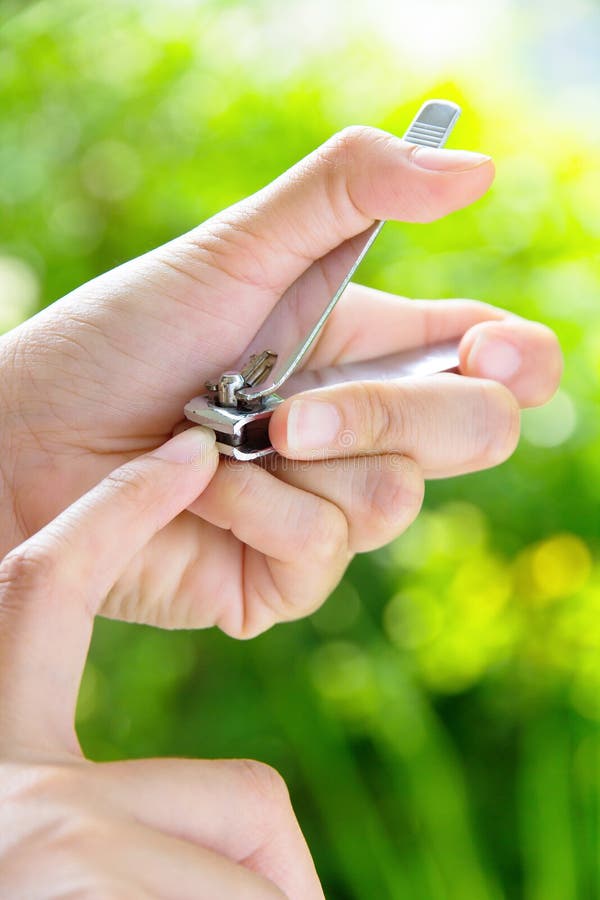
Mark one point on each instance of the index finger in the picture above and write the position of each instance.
(52, 585)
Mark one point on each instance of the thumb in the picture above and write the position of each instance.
(359, 175)
(253, 251)
(259, 252)
(212, 289)
(52, 585)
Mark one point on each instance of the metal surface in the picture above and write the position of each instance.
(431, 360)
(240, 434)
(239, 404)
(291, 364)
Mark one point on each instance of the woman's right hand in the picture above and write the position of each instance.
(177, 829)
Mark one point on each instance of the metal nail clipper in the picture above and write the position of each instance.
(239, 404)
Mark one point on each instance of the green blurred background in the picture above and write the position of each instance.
(438, 721)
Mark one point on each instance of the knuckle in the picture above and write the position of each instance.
(382, 417)
(477, 313)
(244, 483)
(264, 786)
(79, 831)
(26, 571)
(27, 783)
(397, 493)
(64, 835)
(391, 496)
(231, 244)
(65, 792)
(135, 484)
(328, 537)
(53, 780)
(340, 159)
(351, 141)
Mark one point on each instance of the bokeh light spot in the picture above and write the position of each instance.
(343, 675)
(481, 586)
(554, 568)
(552, 424)
(413, 619)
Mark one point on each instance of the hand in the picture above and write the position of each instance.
(152, 828)
(103, 375)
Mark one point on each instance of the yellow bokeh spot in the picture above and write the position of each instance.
(557, 567)
(480, 587)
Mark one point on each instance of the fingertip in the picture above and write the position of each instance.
(453, 189)
(194, 446)
(492, 353)
(524, 356)
(386, 177)
(306, 426)
(448, 188)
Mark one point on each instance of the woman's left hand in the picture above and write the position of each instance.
(103, 375)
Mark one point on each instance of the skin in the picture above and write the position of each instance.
(103, 374)
(178, 539)
(174, 829)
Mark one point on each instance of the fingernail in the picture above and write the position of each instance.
(494, 358)
(195, 445)
(448, 160)
(312, 425)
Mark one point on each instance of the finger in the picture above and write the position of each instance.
(525, 356)
(379, 495)
(369, 323)
(171, 867)
(293, 546)
(238, 808)
(124, 858)
(52, 585)
(359, 175)
(253, 251)
(446, 423)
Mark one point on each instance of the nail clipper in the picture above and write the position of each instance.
(238, 405)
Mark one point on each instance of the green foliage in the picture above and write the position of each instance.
(438, 720)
